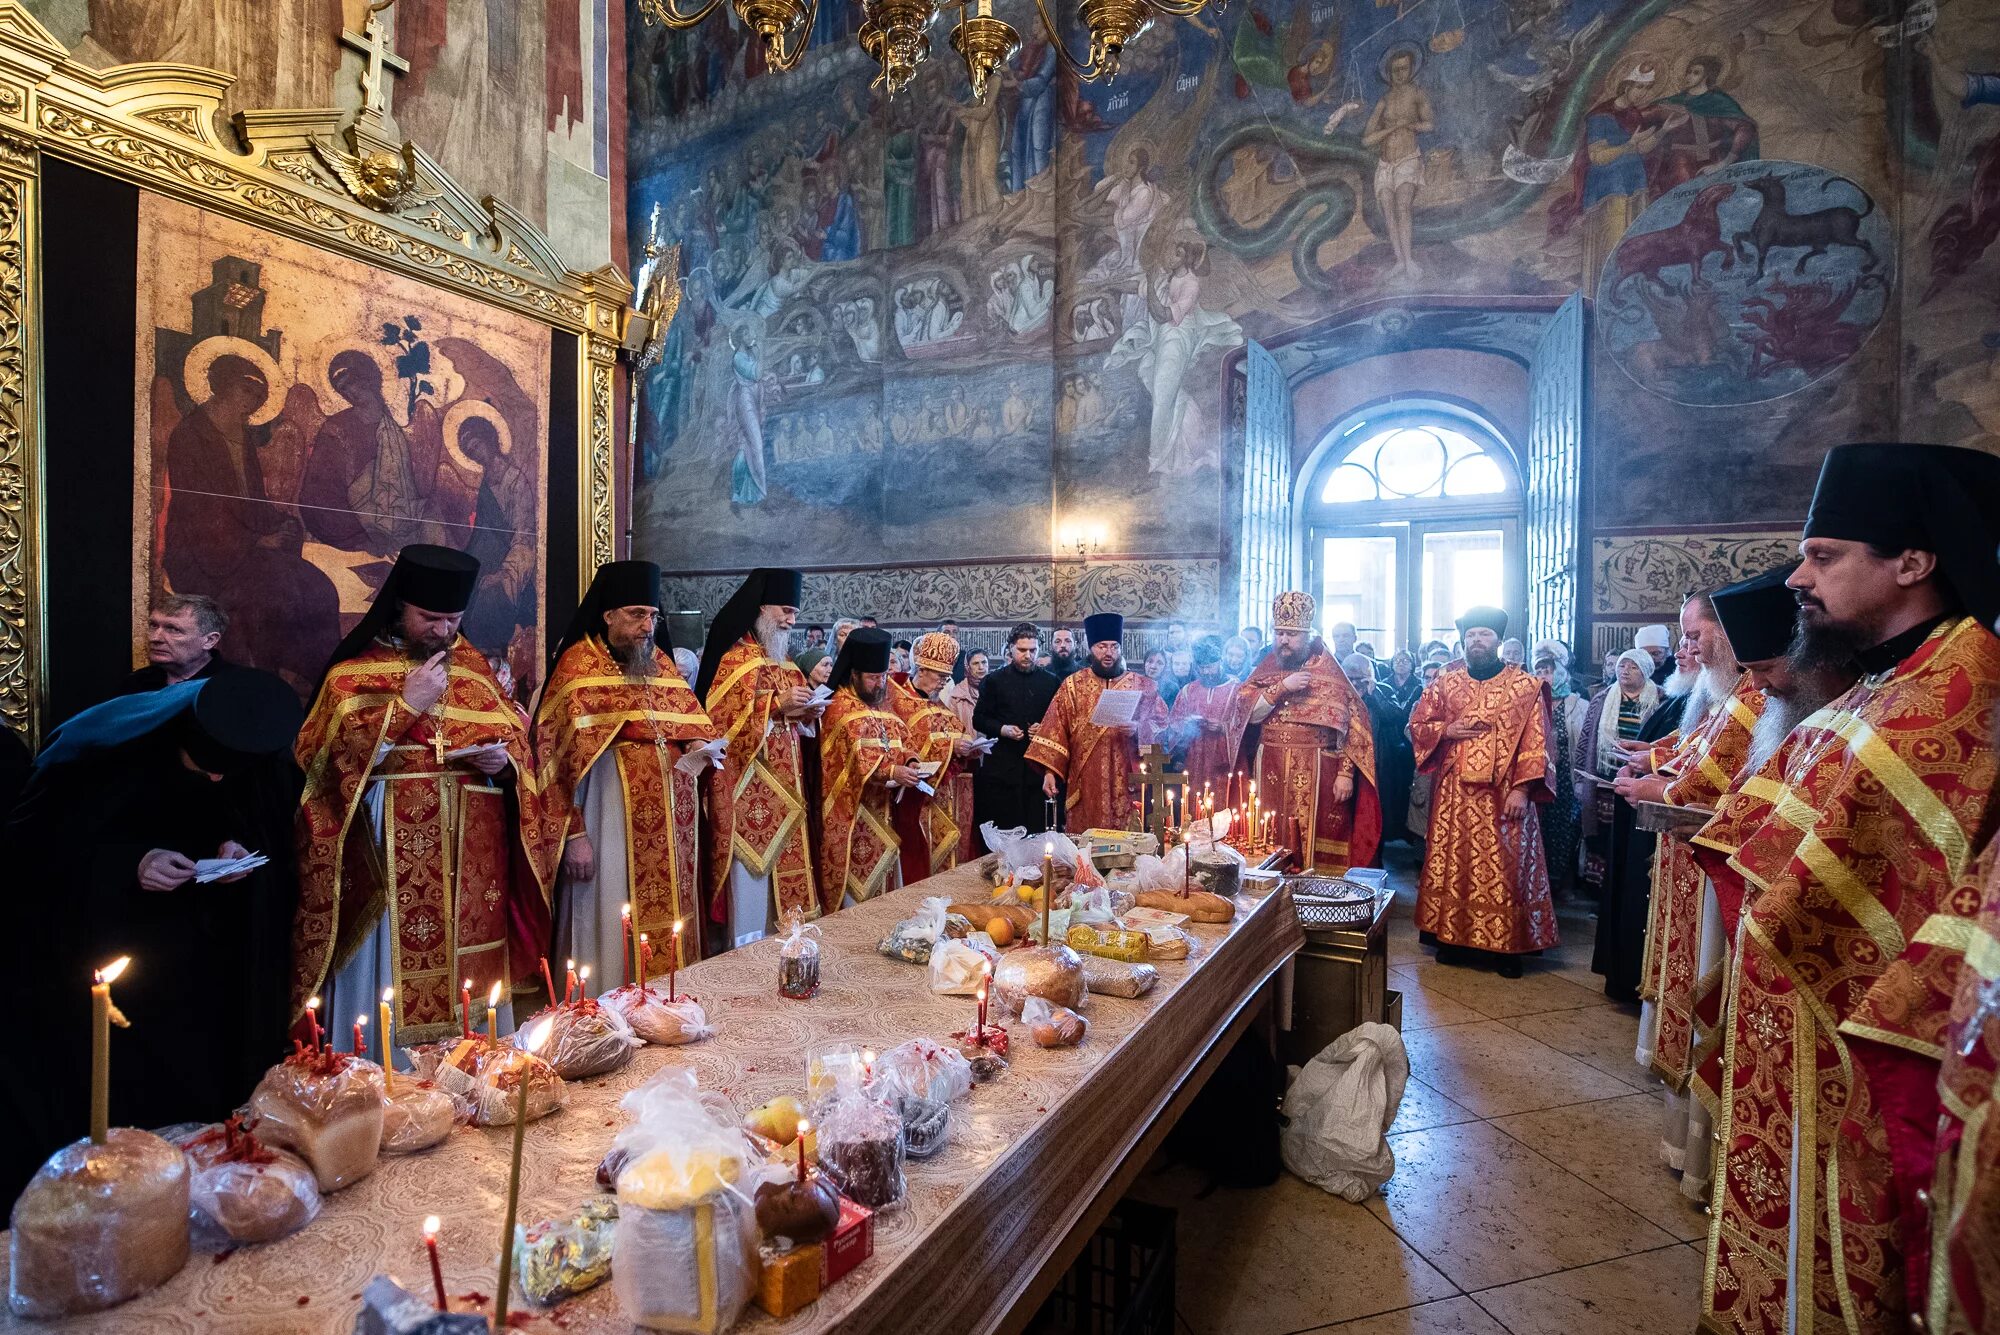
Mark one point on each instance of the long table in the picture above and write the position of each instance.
(1031, 1156)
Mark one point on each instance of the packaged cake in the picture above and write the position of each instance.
(98, 1224)
(326, 1107)
(656, 1020)
(243, 1190)
(416, 1115)
(926, 1069)
(798, 1208)
(798, 960)
(861, 1147)
(685, 1255)
(585, 1039)
(485, 1077)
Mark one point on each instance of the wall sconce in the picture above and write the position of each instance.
(1085, 537)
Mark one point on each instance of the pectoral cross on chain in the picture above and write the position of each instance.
(1975, 1023)
(373, 44)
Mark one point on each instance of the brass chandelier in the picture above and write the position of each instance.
(896, 33)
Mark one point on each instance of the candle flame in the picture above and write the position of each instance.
(625, 910)
(466, 986)
(644, 939)
(582, 974)
(109, 973)
(360, 1019)
(312, 1003)
(388, 995)
(804, 1126)
(677, 926)
(493, 997)
(570, 965)
(431, 1226)
(537, 1034)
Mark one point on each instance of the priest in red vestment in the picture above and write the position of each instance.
(423, 859)
(936, 832)
(1200, 720)
(759, 869)
(1482, 732)
(1097, 761)
(1962, 1296)
(1310, 746)
(614, 726)
(865, 772)
(1852, 940)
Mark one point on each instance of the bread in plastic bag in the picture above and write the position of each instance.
(416, 1115)
(685, 1256)
(560, 1258)
(1115, 978)
(326, 1107)
(585, 1039)
(957, 967)
(1053, 1026)
(1044, 971)
(926, 1069)
(656, 1020)
(242, 1190)
(861, 1147)
(486, 1077)
(98, 1224)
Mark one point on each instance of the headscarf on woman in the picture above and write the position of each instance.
(1607, 720)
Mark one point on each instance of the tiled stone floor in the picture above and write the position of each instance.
(1528, 1198)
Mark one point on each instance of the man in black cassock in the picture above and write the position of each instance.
(1006, 790)
(123, 801)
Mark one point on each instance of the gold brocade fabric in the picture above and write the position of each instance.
(945, 817)
(592, 707)
(1484, 883)
(461, 862)
(1299, 751)
(858, 744)
(754, 807)
(1097, 763)
(1866, 836)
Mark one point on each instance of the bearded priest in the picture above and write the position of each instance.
(423, 860)
(865, 769)
(1860, 926)
(1201, 719)
(759, 870)
(612, 733)
(936, 832)
(1096, 760)
(1482, 732)
(1311, 746)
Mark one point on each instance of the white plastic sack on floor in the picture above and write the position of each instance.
(1339, 1108)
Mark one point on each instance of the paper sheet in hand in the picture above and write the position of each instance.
(982, 746)
(924, 768)
(700, 757)
(478, 748)
(821, 694)
(1116, 709)
(214, 869)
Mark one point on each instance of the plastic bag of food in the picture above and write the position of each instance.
(242, 1190)
(923, 1068)
(584, 1039)
(656, 1020)
(1020, 853)
(1115, 978)
(326, 1107)
(685, 1255)
(798, 960)
(1109, 940)
(1089, 905)
(861, 1147)
(958, 966)
(416, 1115)
(1053, 1026)
(98, 1224)
(913, 938)
(560, 1258)
(486, 1078)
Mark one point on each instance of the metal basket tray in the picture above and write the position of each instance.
(1331, 901)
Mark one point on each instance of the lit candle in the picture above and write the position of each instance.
(388, 1028)
(531, 1041)
(493, 1014)
(1048, 885)
(102, 1013)
(625, 938)
(804, 1126)
(360, 1043)
(312, 1018)
(583, 982)
(979, 1031)
(465, 1009)
(867, 1065)
(431, 1226)
(569, 981)
(674, 963)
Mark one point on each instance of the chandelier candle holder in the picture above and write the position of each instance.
(896, 33)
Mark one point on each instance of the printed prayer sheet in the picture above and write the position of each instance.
(1116, 709)
(702, 757)
(214, 869)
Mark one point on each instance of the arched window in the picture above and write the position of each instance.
(1410, 516)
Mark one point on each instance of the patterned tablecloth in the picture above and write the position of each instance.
(1029, 1151)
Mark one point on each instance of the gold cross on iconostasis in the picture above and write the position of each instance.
(373, 44)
